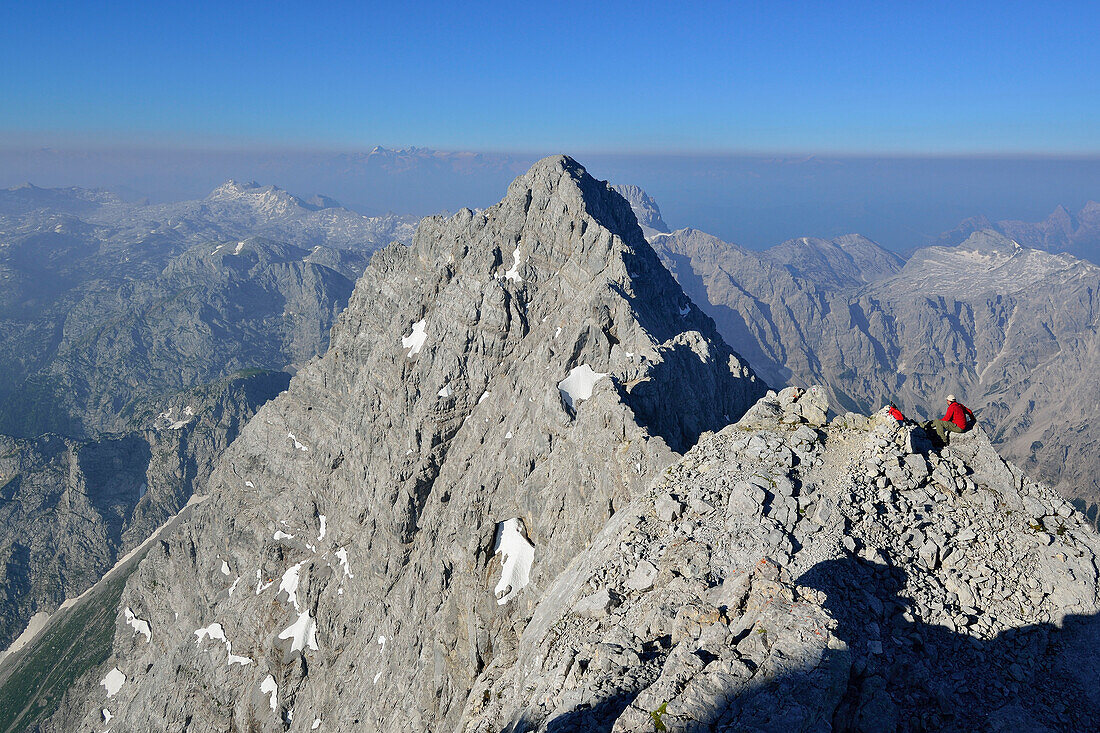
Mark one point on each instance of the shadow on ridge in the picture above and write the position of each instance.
(903, 674)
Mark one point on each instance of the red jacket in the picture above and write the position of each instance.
(896, 414)
(957, 413)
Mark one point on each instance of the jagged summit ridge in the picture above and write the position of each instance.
(368, 502)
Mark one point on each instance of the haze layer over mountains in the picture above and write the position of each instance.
(755, 200)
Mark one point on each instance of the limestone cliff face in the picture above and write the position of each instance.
(495, 392)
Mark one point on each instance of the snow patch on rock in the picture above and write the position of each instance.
(140, 625)
(268, 687)
(289, 584)
(113, 682)
(214, 631)
(513, 272)
(234, 586)
(342, 555)
(302, 633)
(578, 385)
(517, 555)
(414, 342)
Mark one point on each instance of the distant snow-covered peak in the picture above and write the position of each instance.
(233, 189)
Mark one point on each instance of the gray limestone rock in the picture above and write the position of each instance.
(391, 521)
(818, 640)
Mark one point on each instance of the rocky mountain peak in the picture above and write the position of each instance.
(990, 242)
(846, 261)
(1063, 219)
(233, 188)
(320, 201)
(987, 261)
(492, 395)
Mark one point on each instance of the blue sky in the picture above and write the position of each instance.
(929, 78)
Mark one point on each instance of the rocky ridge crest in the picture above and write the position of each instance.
(794, 576)
(1011, 330)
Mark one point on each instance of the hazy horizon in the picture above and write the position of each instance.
(756, 201)
(755, 123)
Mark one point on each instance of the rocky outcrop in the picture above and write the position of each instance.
(789, 577)
(380, 534)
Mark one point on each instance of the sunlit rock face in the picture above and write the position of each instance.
(379, 536)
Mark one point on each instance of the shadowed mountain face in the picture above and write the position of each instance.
(948, 681)
(1012, 331)
(70, 508)
(507, 383)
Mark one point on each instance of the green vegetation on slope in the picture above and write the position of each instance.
(49, 666)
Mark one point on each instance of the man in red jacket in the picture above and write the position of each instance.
(958, 418)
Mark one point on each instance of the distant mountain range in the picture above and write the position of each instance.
(1076, 234)
(135, 341)
(1012, 330)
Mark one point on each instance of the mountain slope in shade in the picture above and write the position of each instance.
(504, 385)
(69, 508)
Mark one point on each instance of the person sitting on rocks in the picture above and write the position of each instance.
(895, 412)
(958, 419)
